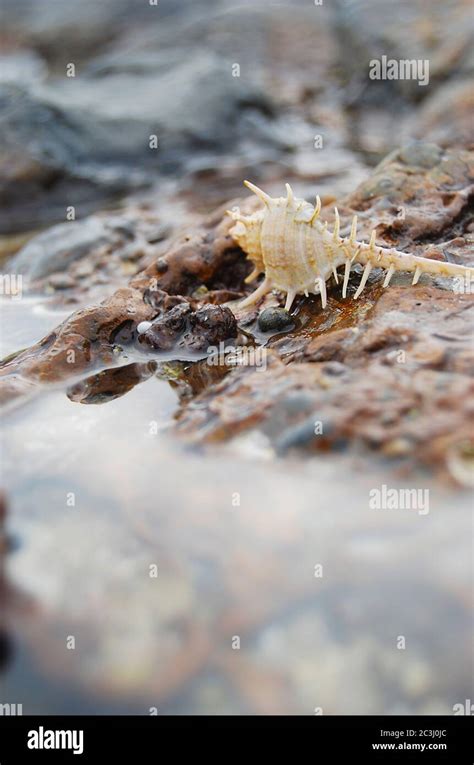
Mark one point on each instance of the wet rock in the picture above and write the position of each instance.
(86, 338)
(203, 255)
(413, 206)
(188, 379)
(46, 158)
(364, 35)
(161, 302)
(183, 328)
(210, 325)
(274, 320)
(429, 353)
(163, 333)
(331, 346)
(230, 413)
(298, 436)
(385, 337)
(90, 334)
(362, 400)
(334, 369)
(15, 388)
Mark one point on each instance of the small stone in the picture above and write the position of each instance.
(274, 320)
(297, 436)
(131, 252)
(200, 292)
(334, 368)
(422, 154)
(428, 353)
(210, 325)
(161, 266)
(377, 187)
(61, 281)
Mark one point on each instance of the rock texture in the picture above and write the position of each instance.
(390, 371)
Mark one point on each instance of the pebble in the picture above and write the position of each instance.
(274, 319)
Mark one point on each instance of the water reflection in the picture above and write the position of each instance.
(156, 557)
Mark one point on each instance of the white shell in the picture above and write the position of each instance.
(286, 241)
(144, 326)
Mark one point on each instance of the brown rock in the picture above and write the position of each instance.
(79, 342)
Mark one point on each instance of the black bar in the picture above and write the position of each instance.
(444, 739)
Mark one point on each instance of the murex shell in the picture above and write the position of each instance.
(287, 242)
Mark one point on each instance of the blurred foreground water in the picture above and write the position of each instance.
(284, 555)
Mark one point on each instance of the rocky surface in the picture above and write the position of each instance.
(78, 261)
(399, 382)
(404, 355)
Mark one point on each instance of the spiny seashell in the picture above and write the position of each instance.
(287, 242)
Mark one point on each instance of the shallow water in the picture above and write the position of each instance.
(25, 321)
(98, 494)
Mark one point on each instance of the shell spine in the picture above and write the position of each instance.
(287, 242)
